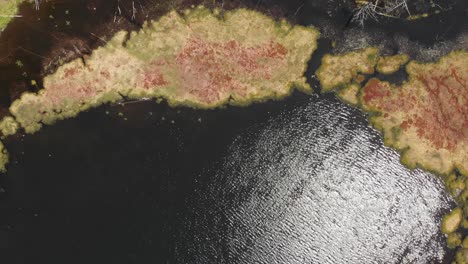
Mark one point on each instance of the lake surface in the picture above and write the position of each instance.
(303, 180)
(315, 185)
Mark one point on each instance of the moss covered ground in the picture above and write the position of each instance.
(9, 10)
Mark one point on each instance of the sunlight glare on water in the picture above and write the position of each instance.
(316, 185)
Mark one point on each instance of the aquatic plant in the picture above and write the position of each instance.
(425, 118)
(202, 59)
(374, 9)
(8, 11)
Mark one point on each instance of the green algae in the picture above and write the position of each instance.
(454, 240)
(338, 71)
(8, 126)
(4, 157)
(452, 221)
(461, 256)
(391, 64)
(8, 11)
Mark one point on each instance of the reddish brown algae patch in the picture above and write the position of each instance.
(426, 117)
(202, 58)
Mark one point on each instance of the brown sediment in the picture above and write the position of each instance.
(376, 89)
(452, 221)
(8, 10)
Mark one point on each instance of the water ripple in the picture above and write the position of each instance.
(316, 185)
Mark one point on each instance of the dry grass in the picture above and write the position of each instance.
(373, 9)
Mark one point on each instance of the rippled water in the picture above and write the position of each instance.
(304, 180)
(312, 185)
(315, 185)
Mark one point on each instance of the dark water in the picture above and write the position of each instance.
(69, 29)
(303, 180)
